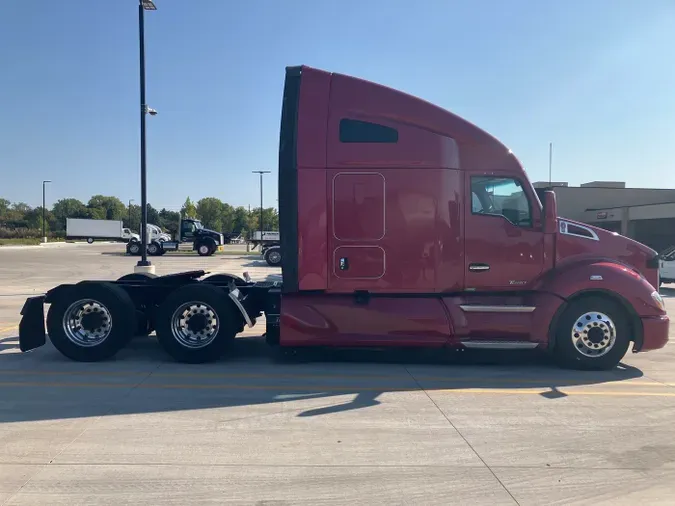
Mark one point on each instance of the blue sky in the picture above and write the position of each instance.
(595, 77)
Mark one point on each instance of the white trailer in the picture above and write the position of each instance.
(267, 236)
(101, 230)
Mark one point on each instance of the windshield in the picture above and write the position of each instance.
(198, 225)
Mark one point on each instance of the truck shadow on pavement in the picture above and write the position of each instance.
(9, 343)
(43, 385)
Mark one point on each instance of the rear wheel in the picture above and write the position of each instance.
(90, 240)
(593, 333)
(273, 256)
(196, 323)
(92, 321)
(154, 249)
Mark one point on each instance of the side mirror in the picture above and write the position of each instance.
(550, 213)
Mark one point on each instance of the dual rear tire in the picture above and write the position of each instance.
(90, 322)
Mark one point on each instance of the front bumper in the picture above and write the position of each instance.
(32, 327)
(655, 330)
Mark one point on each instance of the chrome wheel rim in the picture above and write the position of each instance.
(275, 257)
(87, 323)
(195, 325)
(204, 249)
(593, 334)
(134, 248)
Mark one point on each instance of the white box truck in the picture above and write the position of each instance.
(98, 230)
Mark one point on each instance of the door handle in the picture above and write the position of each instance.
(479, 267)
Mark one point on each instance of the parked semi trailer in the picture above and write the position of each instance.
(270, 246)
(401, 224)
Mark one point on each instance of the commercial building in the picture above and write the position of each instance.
(644, 214)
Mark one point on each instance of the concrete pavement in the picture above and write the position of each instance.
(325, 428)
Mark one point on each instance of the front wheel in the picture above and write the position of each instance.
(206, 249)
(90, 240)
(593, 333)
(273, 257)
(154, 249)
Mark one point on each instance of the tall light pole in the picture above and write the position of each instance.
(44, 228)
(261, 172)
(143, 265)
(129, 224)
(550, 163)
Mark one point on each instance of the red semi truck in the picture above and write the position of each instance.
(401, 224)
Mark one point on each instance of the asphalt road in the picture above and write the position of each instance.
(326, 428)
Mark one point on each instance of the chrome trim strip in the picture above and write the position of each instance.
(469, 308)
(564, 230)
(500, 345)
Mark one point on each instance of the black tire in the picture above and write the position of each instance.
(273, 256)
(206, 248)
(154, 249)
(121, 322)
(198, 296)
(586, 315)
(137, 276)
(134, 248)
(90, 240)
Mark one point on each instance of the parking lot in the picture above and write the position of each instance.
(325, 428)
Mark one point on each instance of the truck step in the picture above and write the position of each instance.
(499, 345)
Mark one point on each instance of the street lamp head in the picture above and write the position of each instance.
(151, 111)
(46, 181)
(148, 5)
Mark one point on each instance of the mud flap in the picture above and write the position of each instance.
(32, 327)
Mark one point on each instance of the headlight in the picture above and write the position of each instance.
(659, 300)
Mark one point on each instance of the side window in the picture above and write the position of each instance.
(501, 196)
(353, 130)
(476, 205)
(188, 228)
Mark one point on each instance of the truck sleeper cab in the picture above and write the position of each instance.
(401, 224)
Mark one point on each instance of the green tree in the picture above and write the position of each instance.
(188, 210)
(270, 219)
(239, 220)
(169, 221)
(153, 216)
(106, 208)
(133, 217)
(4, 206)
(67, 208)
(210, 211)
(34, 219)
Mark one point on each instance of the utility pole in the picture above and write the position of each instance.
(261, 172)
(550, 163)
(44, 228)
(248, 239)
(129, 224)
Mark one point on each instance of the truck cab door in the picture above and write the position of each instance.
(504, 240)
(187, 231)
